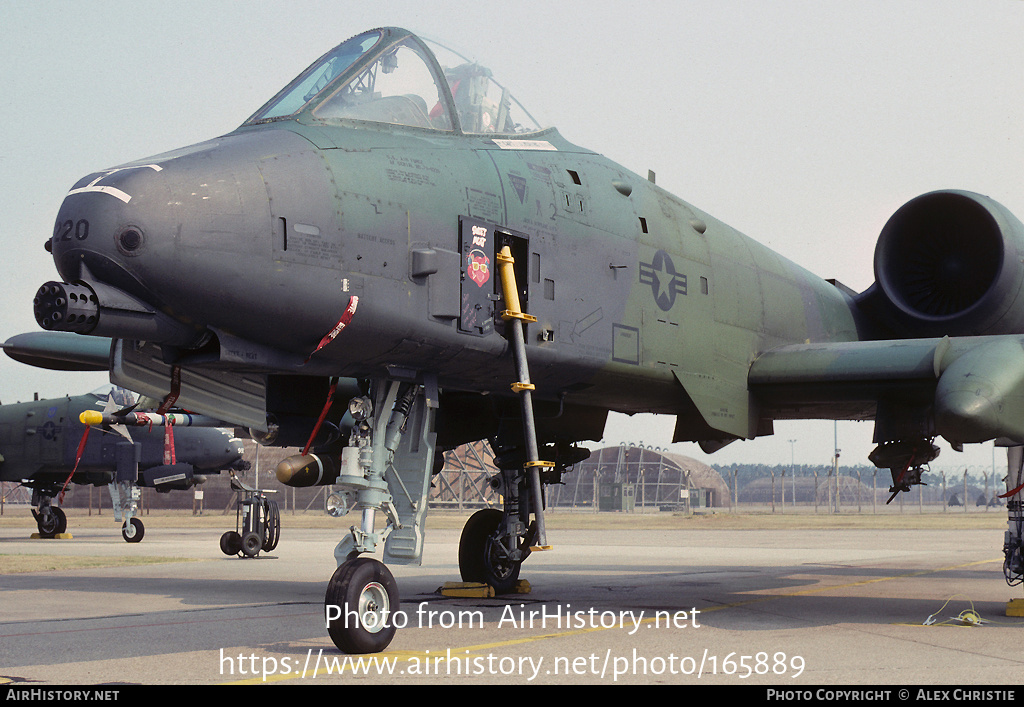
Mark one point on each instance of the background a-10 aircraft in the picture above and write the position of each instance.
(48, 444)
(393, 230)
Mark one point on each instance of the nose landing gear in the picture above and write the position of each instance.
(386, 467)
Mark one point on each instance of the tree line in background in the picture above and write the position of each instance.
(746, 473)
(758, 482)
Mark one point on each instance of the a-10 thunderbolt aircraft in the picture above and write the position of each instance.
(395, 224)
(45, 445)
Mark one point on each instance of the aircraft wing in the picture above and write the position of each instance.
(59, 351)
(972, 387)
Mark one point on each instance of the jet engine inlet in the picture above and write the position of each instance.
(949, 263)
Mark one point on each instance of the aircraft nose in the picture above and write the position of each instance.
(189, 240)
(107, 221)
(118, 242)
(232, 451)
(102, 221)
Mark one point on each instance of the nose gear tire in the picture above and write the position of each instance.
(366, 596)
(133, 530)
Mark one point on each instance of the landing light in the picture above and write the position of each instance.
(337, 505)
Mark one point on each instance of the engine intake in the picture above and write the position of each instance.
(948, 262)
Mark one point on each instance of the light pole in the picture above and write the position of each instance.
(792, 469)
(944, 499)
(965, 490)
(835, 427)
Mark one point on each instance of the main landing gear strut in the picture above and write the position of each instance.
(50, 520)
(1013, 539)
(495, 543)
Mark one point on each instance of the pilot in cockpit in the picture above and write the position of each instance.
(469, 84)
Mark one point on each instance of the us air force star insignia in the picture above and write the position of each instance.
(665, 282)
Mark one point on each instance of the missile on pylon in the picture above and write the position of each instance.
(146, 419)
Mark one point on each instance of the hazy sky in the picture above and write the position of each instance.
(804, 124)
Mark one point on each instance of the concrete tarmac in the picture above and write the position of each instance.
(785, 608)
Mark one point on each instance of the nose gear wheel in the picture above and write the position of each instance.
(366, 596)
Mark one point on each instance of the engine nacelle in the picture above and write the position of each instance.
(948, 263)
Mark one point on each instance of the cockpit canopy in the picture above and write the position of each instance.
(391, 76)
